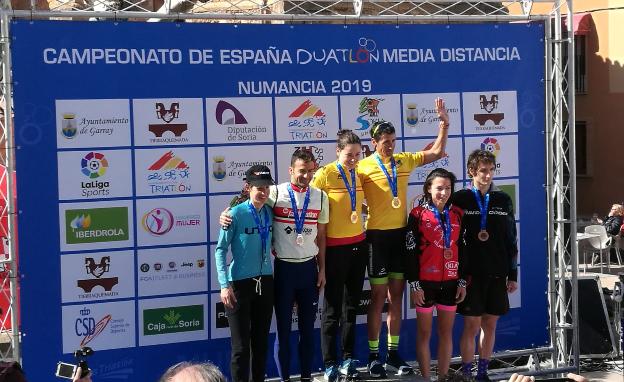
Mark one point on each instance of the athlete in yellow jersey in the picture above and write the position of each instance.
(384, 177)
(345, 257)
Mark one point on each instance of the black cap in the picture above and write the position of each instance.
(259, 175)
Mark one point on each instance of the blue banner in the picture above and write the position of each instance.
(133, 137)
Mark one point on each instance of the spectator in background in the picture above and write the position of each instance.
(614, 220)
(191, 372)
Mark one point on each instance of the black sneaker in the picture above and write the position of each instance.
(376, 368)
(395, 364)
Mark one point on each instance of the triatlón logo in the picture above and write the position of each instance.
(228, 114)
(167, 162)
(491, 145)
(158, 221)
(94, 165)
(307, 109)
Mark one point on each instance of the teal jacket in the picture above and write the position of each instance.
(243, 237)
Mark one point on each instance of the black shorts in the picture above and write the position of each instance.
(485, 295)
(386, 255)
(439, 293)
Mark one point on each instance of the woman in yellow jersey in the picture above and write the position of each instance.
(345, 257)
(384, 176)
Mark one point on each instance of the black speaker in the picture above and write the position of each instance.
(596, 337)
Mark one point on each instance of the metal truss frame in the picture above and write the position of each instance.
(563, 353)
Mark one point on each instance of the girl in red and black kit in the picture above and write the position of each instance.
(435, 267)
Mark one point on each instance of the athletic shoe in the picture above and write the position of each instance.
(395, 363)
(349, 368)
(331, 374)
(376, 368)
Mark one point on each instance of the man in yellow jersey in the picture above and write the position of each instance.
(384, 178)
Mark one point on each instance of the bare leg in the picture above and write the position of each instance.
(423, 326)
(445, 341)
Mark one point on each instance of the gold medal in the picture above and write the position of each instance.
(354, 217)
(483, 235)
(396, 202)
(299, 239)
(448, 253)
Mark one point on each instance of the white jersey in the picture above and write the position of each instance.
(284, 233)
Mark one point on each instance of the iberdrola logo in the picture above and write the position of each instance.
(81, 222)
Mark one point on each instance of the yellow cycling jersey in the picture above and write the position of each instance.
(340, 229)
(378, 193)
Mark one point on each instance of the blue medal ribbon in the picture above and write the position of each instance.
(392, 180)
(263, 230)
(351, 189)
(299, 218)
(483, 206)
(444, 224)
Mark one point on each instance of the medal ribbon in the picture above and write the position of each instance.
(444, 224)
(299, 218)
(263, 230)
(392, 180)
(351, 190)
(483, 206)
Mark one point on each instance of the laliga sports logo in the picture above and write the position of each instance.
(491, 145)
(158, 221)
(94, 165)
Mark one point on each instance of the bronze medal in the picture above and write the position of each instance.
(483, 235)
(448, 253)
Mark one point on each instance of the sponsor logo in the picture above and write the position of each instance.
(415, 116)
(69, 128)
(227, 114)
(96, 225)
(238, 129)
(451, 265)
(93, 166)
(306, 121)
(488, 105)
(186, 271)
(173, 319)
(159, 221)
(98, 270)
(72, 125)
(366, 151)
(318, 153)
(174, 130)
(218, 167)
(491, 144)
(220, 316)
(365, 301)
(368, 110)
(88, 328)
(169, 174)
